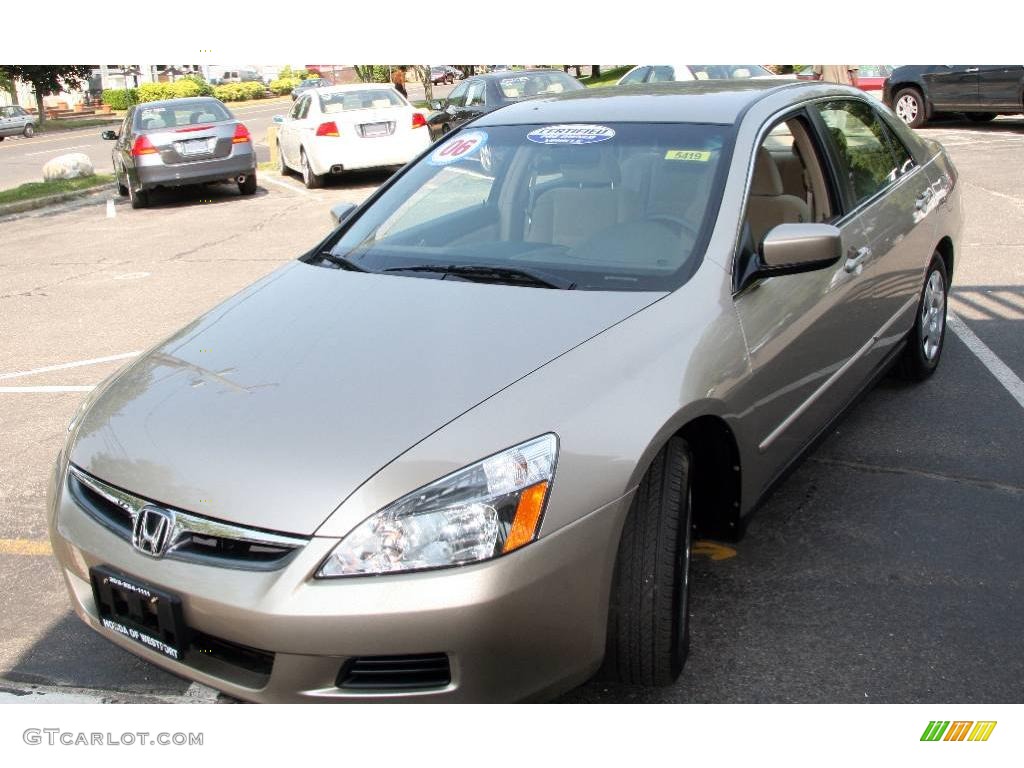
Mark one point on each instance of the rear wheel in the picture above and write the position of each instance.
(909, 107)
(248, 187)
(981, 117)
(311, 179)
(924, 346)
(139, 198)
(648, 615)
(282, 166)
(122, 189)
(29, 131)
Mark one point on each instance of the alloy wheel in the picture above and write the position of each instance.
(933, 315)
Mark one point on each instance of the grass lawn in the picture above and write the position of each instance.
(607, 77)
(70, 124)
(43, 188)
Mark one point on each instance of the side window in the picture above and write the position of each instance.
(304, 107)
(456, 96)
(861, 142)
(904, 160)
(475, 95)
(294, 114)
(662, 75)
(638, 75)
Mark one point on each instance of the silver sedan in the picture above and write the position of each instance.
(15, 121)
(458, 451)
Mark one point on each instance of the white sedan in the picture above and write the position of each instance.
(347, 127)
(667, 73)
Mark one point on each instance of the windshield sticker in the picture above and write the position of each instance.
(463, 145)
(691, 155)
(571, 134)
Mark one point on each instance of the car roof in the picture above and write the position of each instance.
(346, 87)
(503, 73)
(179, 100)
(699, 101)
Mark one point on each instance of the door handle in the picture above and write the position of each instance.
(972, 69)
(853, 262)
(922, 200)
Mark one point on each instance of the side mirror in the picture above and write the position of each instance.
(436, 105)
(278, 118)
(791, 248)
(109, 135)
(340, 212)
(450, 109)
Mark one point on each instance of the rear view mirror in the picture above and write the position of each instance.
(450, 109)
(790, 248)
(436, 105)
(109, 135)
(340, 212)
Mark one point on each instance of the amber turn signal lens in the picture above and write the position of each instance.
(524, 526)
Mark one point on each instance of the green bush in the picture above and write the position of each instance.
(284, 85)
(182, 89)
(205, 89)
(239, 91)
(120, 98)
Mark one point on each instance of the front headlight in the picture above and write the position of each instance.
(487, 509)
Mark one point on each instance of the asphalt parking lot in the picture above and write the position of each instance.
(888, 567)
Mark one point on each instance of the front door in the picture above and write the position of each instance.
(953, 89)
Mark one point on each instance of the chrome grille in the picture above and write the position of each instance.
(195, 538)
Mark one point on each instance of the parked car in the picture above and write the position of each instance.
(305, 85)
(980, 91)
(459, 450)
(481, 94)
(870, 77)
(664, 73)
(440, 75)
(178, 142)
(349, 127)
(15, 121)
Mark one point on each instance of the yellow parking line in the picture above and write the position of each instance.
(25, 547)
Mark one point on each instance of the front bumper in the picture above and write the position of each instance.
(526, 626)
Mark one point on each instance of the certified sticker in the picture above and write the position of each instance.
(691, 155)
(571, 134)
(463, 145)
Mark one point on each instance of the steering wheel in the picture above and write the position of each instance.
(681, 224)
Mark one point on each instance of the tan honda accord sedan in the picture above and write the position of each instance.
(458, 451)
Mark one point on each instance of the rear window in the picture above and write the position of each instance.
(378, 98)
(530, 84)
(728, 71)
(616, 206)
(180, 114)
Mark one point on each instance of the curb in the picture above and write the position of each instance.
(42, 202)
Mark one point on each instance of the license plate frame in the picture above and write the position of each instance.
(375, 130)
(133, 609)
(195, 147)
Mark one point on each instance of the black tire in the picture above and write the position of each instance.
(248, 187)
(648, 614)
(2, 138)
(29, 131)
(122, 189)
(917, 363)
(282, 166)
(913, 112)
(309, 178)
(981, 117)
(139, 197)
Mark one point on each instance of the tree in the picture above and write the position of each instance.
(595, 71)
(423, 70)
(47, 80)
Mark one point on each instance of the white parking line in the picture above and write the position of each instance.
(58, 149)
(1010, 381)
(36, 390)
(75, 364)
(275, 182)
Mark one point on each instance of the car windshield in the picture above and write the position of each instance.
(728, 71)
(529, 84)
(375, 98)
(180, 114)
(615, 206)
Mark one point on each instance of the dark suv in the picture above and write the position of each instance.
(918, 93)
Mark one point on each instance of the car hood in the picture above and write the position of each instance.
(272, 408)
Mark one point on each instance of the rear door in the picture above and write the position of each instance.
(954, 88)
(999, 88)
(291, 130)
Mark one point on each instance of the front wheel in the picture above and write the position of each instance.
(909, 107)
(29, 131)
(648, 614)
(924, 346)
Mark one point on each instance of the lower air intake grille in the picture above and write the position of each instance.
(395, 673)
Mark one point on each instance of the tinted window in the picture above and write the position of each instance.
(180, 113)
(861, 140)
(662, 75)
(728, 71)
(530, 84)
(630, 209)
(637, 75)
(377, 98)
(303, 105)
(475, 95)
(456, 96)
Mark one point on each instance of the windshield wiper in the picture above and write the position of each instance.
(491, 273)
(340, 261)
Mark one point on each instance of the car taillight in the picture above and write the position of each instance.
(143, 146)
(418, 120)
(241, 134)
(330, 128)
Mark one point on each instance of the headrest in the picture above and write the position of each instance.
(767, 181)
